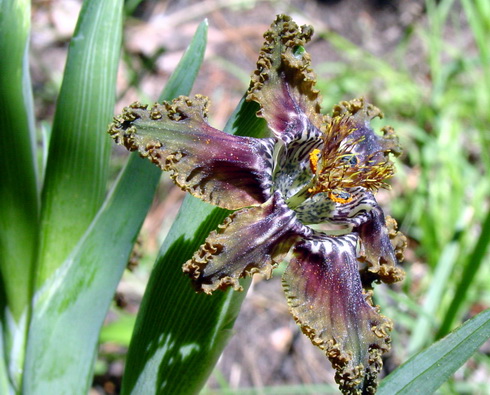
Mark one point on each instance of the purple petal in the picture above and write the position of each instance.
(251, 240)
(283, 83)
(323, 287)
(229, 171)
(382, 245)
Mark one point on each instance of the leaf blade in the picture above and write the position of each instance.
(19, 204)
(470, 271)
(77, 164)
(73, 302)
(19, 194)
(430, 368)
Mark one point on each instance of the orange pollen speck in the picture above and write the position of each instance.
(314, 157)
(342, 197)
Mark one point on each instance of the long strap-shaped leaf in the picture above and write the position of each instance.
(77, 163)
(70, 308)
(19, 207)
(427, 371)
(179, 333)
(470, 272)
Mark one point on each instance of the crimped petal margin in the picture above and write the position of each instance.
(323, 287)
(283, 83)
(229, 171)
(382, 247)
(251, 240)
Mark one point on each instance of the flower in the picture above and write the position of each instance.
(312, 170)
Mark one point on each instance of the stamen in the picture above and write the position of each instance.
(314, 157)
(337, 167)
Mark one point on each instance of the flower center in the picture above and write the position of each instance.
(341, 165)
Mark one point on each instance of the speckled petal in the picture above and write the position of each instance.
(382, 248)
(283, 83)
(292, 172)
(229, 171)
(316, 209)
(320, 208)
(323, 287)
(356, 211)
(250, 240)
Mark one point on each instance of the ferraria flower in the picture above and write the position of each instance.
(304, 195)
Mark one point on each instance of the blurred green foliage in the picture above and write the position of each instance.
(440, 195)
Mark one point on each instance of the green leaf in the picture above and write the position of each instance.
(77, 166)
(19, 195)
(6, 386)
(478, 15)
(428, 370)
(472, 267)
(18, 190)
(178, 332)
(424, 327)
(70, 307)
